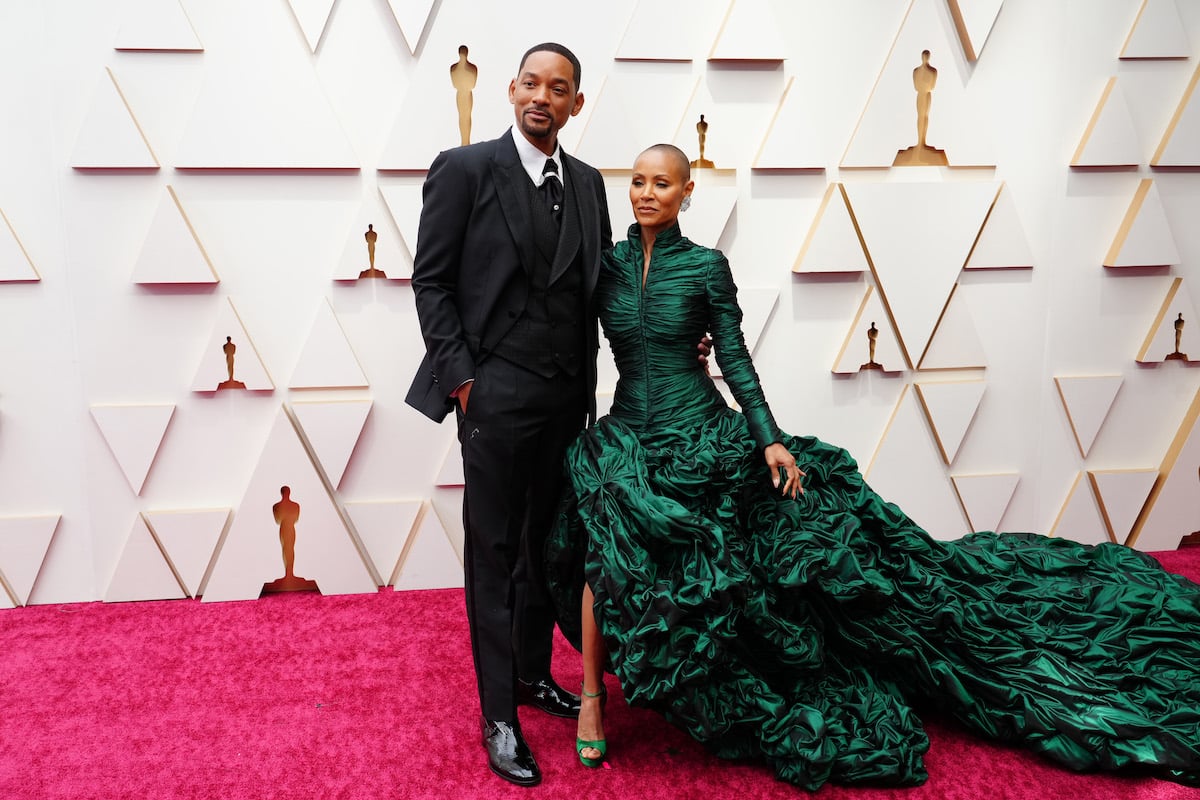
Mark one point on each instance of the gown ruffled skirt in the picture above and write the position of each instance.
(805, 632)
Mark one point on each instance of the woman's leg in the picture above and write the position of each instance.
(591, 714)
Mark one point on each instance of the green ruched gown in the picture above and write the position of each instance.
(804, 632)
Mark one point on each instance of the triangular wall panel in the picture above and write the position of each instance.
(15, 264)
(1122, 494)
(404, 202)
(110, 137)
(429, 561)
(985, 498)
(313, 16)
(23, 545)
(1110, 139)
(384, 527)
(1080, 519)
(955, 343)
(133, 434)
(918, 236)
(251, 554)
(393, 252)
(1144, 238)
(973, 20)
(792, 142)
(1158, 32)
(1087, 400)
(332, 429)
(750, 32)
(156, 25)
(451, 472)
(248, 369)
(618, 127)
(855, 352)
(142, 571)
(262, 104)
(188, 538)
(1173, 509)
(694, 23)
(412, 16)
(1002, 243)
(907, 469)
(1175, 333)
(327, 360)
(832, 244)
(889, 122)
(950, 406)
(1180, 145)
(171, 251)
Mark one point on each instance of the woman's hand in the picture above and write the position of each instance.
(778, 458)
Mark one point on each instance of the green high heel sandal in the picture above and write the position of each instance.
(598, 744)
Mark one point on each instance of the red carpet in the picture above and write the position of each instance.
(370, 696)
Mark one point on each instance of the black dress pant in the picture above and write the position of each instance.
(516, 429)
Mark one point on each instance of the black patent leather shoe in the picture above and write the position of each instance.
(548, 696)
(508, 755)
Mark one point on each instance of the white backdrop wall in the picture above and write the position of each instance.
(280, 152)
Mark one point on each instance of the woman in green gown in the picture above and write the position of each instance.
(803, 625)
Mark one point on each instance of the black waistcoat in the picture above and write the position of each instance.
(548, 336)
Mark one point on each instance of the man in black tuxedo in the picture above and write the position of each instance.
(508, 254)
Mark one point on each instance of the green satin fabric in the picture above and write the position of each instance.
(804, 632)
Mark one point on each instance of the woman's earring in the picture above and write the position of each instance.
(686, 204)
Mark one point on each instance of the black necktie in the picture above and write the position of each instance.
(552, 189)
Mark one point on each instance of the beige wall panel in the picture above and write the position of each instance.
(313, 16)
(1144, 238)
(918, 236)
(412, 16)
(901, 471)
(855, 352)
(1087, 400)
(327, 360)
(172, 251)
(1157, 32)
(142, 571)
(985, 498)
(1180, 145)
(1080, 519)
(1002, 244)
(950, 407)
(251, 554)
(429, 560)
(889, 122)
(384, 526)
(110, 137)
(694, 25)
(23, 545)
(973, 19)
(261, 105)
(331, 429)
(1122, 494)
(134, 434)
(15, 264)
(1110, 139)
(161, 25)
(188, 539)
(955, 342)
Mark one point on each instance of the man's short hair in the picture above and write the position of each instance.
(554, 47)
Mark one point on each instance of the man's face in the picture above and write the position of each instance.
(544, 97)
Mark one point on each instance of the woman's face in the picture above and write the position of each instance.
(656, 190)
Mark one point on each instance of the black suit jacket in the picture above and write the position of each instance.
(475, 250)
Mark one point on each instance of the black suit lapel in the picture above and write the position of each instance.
(507, 173)
(571, 235)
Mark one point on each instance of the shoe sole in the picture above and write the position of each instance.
(514, 780)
